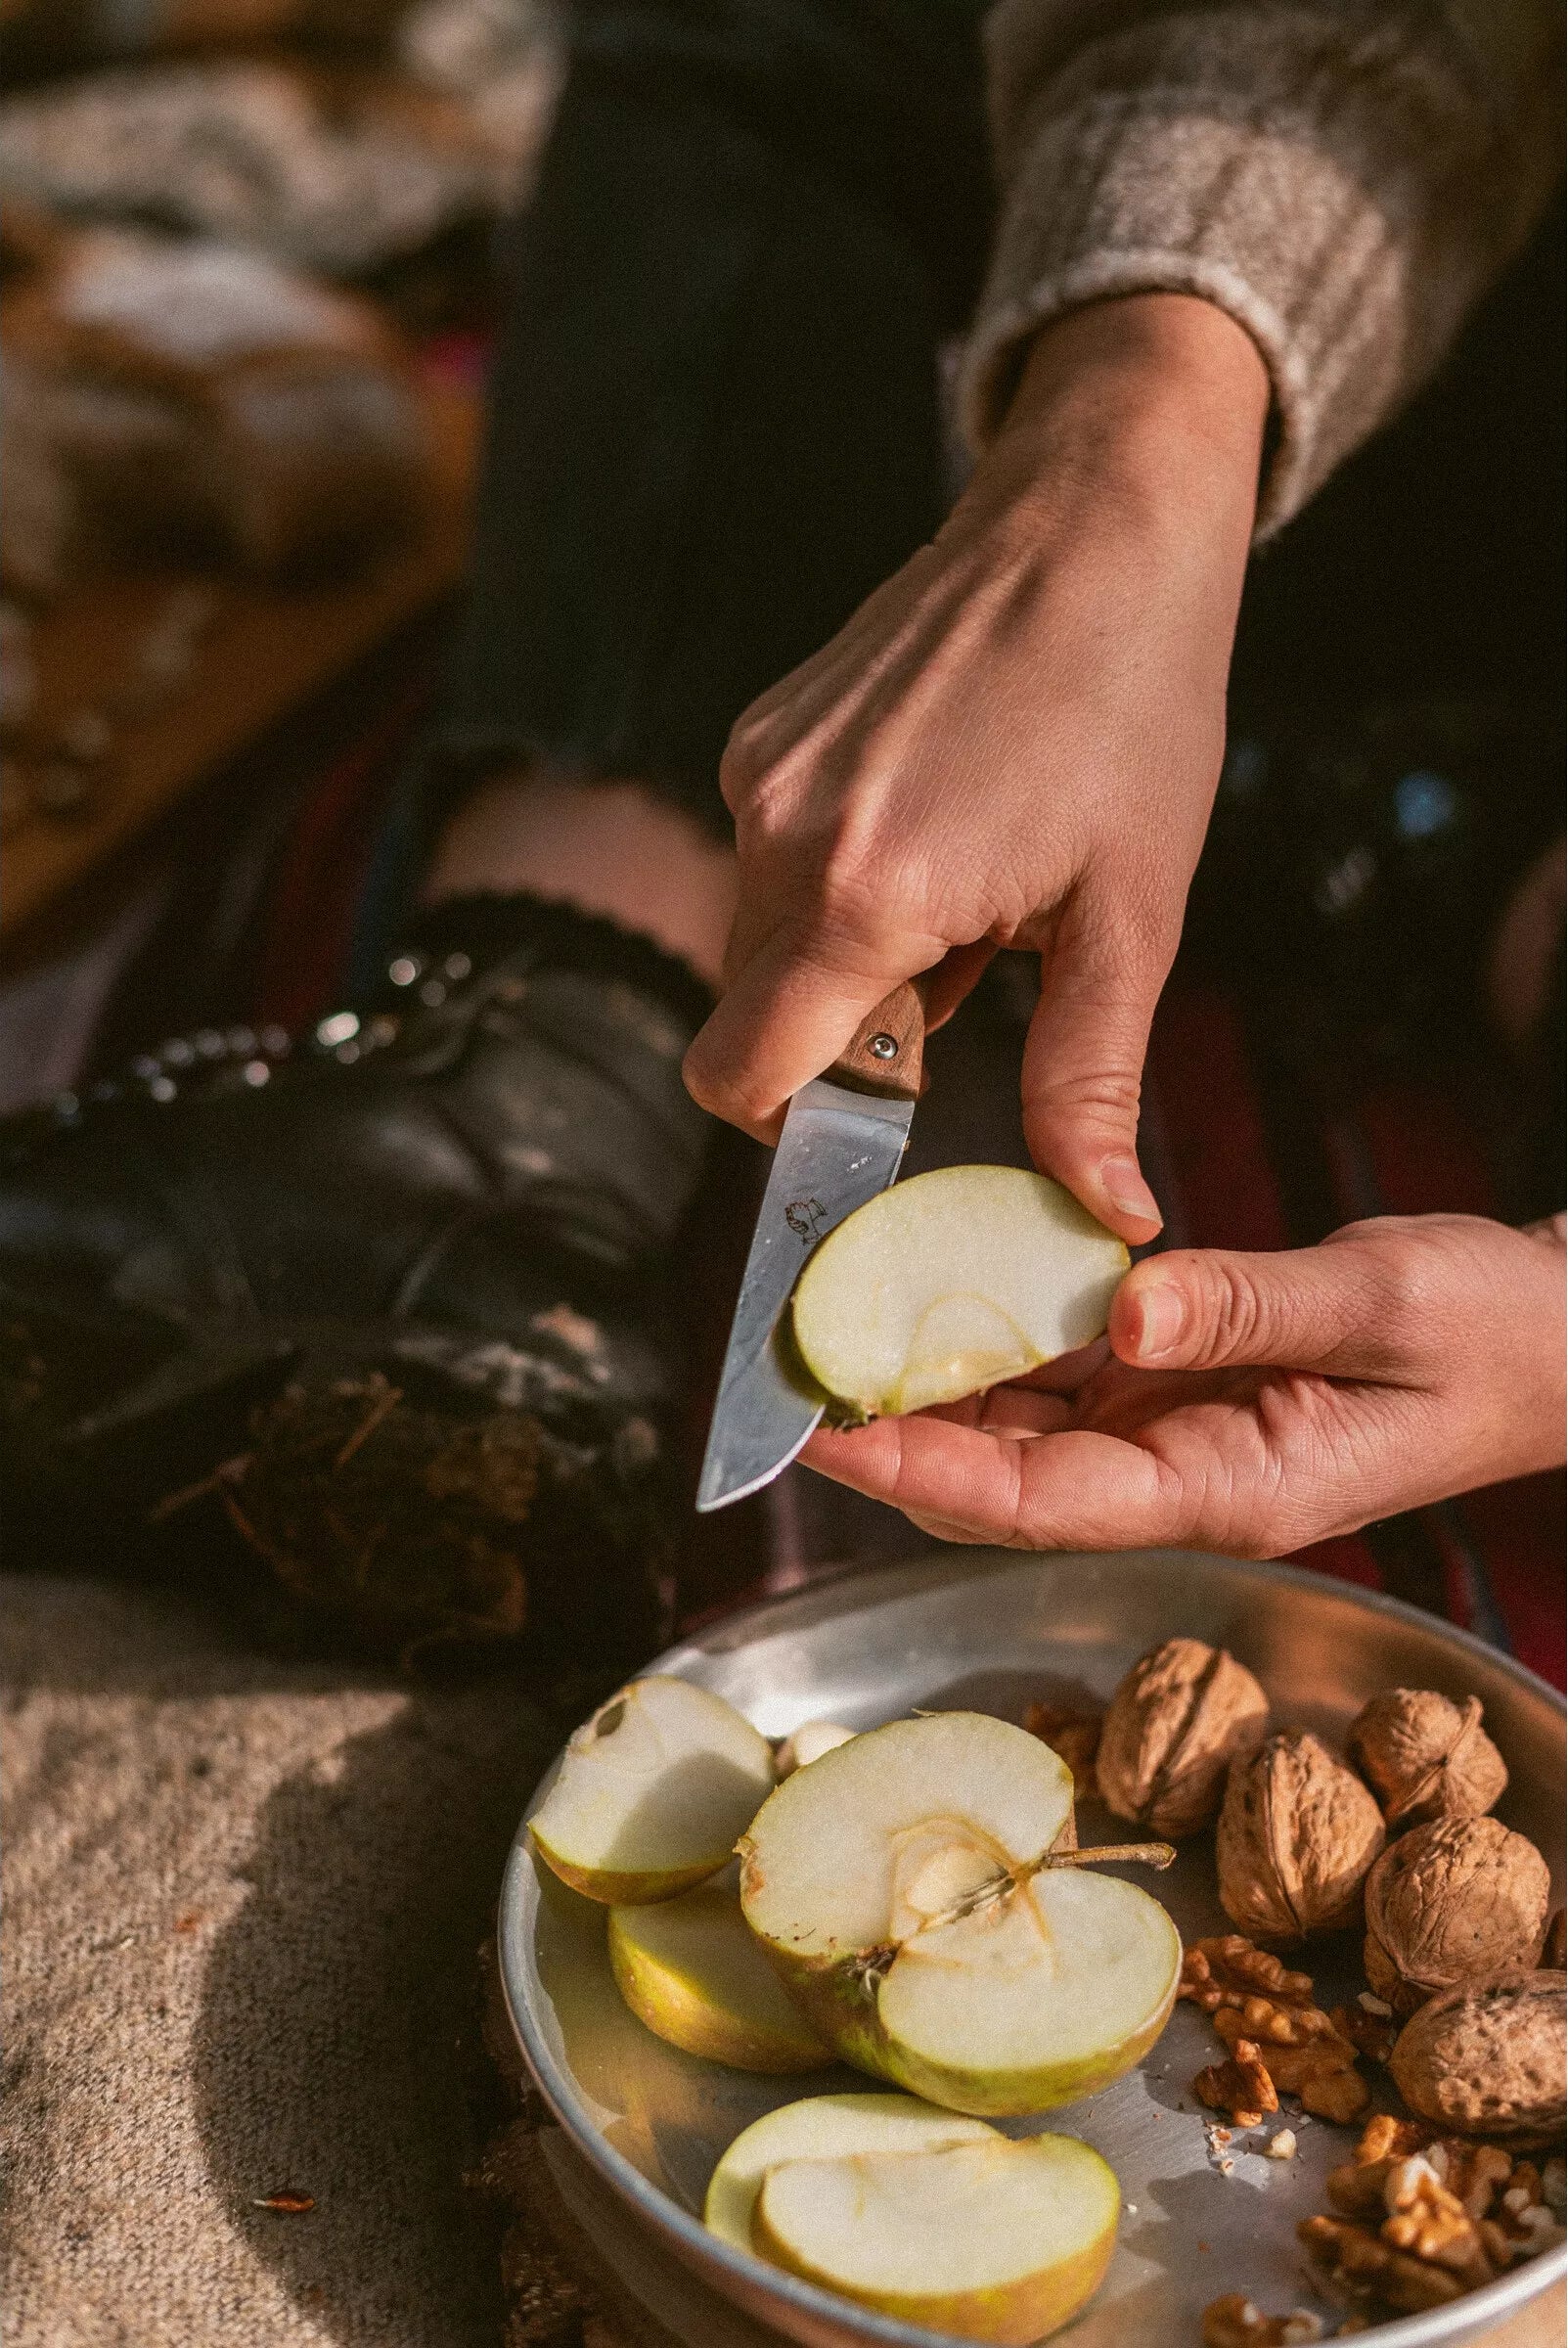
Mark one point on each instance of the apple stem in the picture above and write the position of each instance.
(1116, 1854)
(1157, 1855)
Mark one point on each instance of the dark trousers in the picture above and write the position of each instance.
(714, 417)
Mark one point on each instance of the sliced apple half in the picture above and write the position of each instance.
(808, 1743)
(916, 1893)
(949, 1283)
(824, 2128)
(994, 2242)
(653, 1793)
(689, 1969)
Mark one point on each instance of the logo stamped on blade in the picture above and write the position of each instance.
(806, 1218)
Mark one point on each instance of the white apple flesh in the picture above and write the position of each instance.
(824, 2128)
(689, 1968)
(951, 1283)
(992, 2241)
(808, 1743)
(910, 1888)
(653, 1793)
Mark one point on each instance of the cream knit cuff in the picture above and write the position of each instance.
(1343, 193)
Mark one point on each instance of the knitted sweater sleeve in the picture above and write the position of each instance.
(1344, 177)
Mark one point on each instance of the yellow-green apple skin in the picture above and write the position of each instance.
(1012, 2290)
(651, 1794)
(692, 1973)
(1031, 2000)
(821, 2127)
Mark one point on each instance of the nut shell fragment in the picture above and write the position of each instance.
(1489, 2059)
(1463, 1899)
(1175, 1723)
(1426, 1757)
(1297, 1835)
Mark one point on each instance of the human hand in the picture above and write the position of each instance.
(1016, 742)
(1255, 1403)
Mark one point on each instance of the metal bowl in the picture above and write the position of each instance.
(991, 1630)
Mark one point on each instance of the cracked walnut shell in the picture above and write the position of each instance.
(1426, 1757)
(1463, 1899)
(1489, 2059)
(1174, 1725)
(1297, 1835)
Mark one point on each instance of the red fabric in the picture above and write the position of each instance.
(322, 869)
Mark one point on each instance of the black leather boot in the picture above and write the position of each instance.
(388, 1305)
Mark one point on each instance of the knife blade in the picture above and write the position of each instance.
(843, 1138)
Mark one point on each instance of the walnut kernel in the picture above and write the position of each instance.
(1239, 2086)
(1298, 1834)
(1233, 2321)
(1489, 2059)
(1175, 1723)
(1463, 1899)
(1426, 1757)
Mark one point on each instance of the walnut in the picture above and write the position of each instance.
(1385, 2137)
(1426, 1757)
(1361, 2265)
(1370, 2033)
(1303, 2054)
(1429, 2222)
(1239, 2086)
(1234, 2323)
(1298, 1832)
(1175, 1723)
(1459, 1900)
(1074, 1738)
(1489, 2059)
(1230, 1969)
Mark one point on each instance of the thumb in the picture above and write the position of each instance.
(1308, 1308)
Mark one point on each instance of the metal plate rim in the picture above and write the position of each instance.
(745, 2280)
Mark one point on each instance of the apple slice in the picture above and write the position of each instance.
(822, 2127)
(994, 2242)
(692, 1971)
(808, 1743)
(919, 1894)
(949, 1283)
(653, 1793)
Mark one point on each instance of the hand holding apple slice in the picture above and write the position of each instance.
(918, 1893)
(653, 1793)
(951, 1283)
(992, 2240)
(689, 1968)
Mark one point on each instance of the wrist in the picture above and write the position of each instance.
(1160, 393)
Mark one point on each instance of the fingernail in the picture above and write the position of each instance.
(1160, 1315)
(1124, 1185)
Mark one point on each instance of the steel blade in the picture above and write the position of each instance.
(838, 1148)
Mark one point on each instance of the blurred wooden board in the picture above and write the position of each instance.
(260, 654)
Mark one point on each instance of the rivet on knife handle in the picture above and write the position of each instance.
(884, 1053)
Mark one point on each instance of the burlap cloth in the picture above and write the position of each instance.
(243, 1901)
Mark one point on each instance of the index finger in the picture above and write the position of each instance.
(1069, 1490)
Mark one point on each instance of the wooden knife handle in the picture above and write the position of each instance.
(884, 1053)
